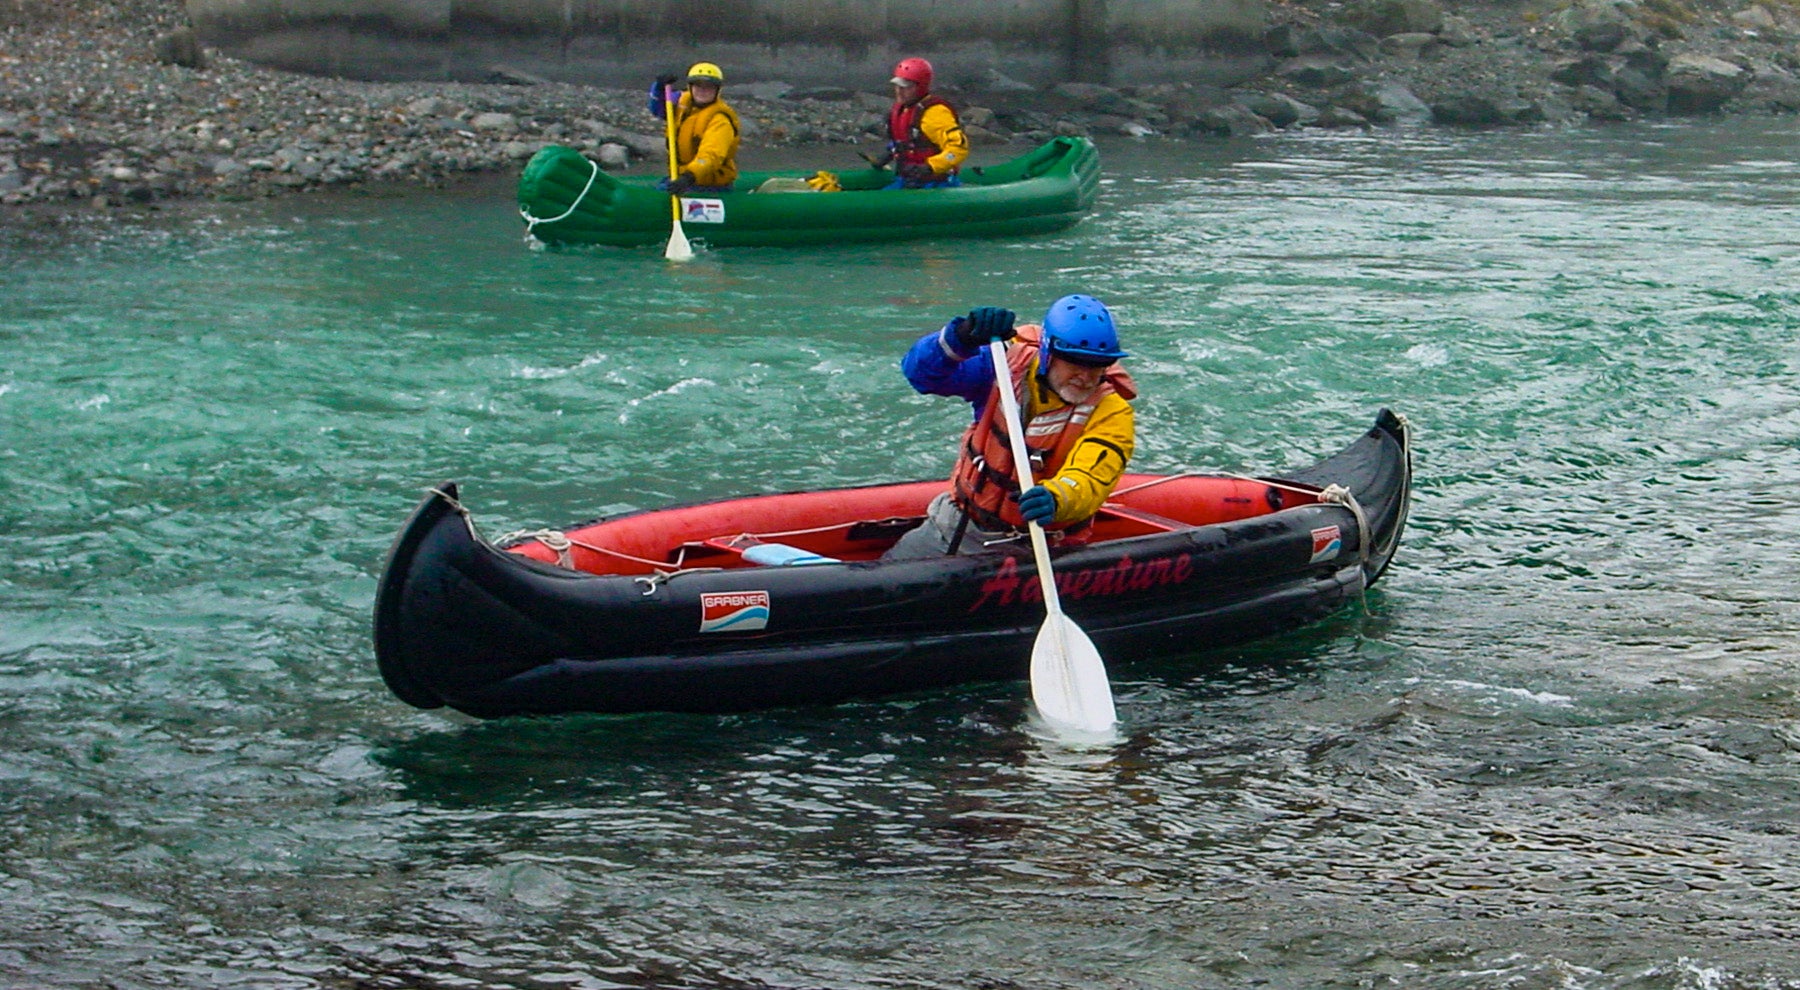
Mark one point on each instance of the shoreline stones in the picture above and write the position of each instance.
(119, 104)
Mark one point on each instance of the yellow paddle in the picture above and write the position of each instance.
(678, 249)
(1068, 678)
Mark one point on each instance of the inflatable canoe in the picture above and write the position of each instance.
(780, 600)
(566, 199)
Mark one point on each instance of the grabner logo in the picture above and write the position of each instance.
(702, 210)
(1327, 543)
(734, 611)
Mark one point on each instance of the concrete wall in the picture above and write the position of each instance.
(852, 43)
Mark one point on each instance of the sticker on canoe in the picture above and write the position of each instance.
(734, 611)
(1327, 543)
(702, 210)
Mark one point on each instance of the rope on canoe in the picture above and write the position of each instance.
(554, 539)
(660, 571)
(560, 542)
(532, 222)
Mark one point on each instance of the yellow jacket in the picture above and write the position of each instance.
(706, 141)
(1088, 475)
(939, 125)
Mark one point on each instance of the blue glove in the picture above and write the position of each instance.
(984, 323)
(659, 92)
(1038, 505)
(680, 184)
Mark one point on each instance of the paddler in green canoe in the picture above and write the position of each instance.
(706, 131)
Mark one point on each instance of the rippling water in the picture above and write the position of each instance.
(1557, 747)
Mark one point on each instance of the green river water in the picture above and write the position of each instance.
(1557, 746)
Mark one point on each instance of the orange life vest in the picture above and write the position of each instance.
(983, 481)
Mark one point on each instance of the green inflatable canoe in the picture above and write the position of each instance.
(566, 199)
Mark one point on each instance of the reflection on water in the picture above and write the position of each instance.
(1555, 747)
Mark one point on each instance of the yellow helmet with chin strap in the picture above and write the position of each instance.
(705, 72)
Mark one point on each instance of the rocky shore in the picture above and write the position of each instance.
(116, 104)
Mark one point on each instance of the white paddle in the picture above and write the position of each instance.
(1068, 678)
(678, 249)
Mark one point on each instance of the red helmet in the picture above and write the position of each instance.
(913, 70)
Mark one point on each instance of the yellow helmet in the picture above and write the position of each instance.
(705, 72)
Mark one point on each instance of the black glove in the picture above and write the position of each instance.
(917, 174)
(984, 323)
(681, 183)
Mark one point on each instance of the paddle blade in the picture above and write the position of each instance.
(678, 249)
(1068, 678)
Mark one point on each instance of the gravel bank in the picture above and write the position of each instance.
(113, 105)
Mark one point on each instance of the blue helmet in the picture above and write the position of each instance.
(1079, 329)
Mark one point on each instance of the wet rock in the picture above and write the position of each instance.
(1315, 72)
(1409, 45)
(1279, 109)
(1468, 110)
(1702, 83)
(1388, 17)
(494, 122)
(1596, 25)
(180, 47)
(1458, 32)
(1394, 103)
(1335, 116)
(1230, 120)
(1639, 88)
(431, 106)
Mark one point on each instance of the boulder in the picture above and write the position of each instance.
(1410, 45)
(1340, 117)
(180, 47)
(493, 122)
(1458, 32)
(1385, 17)
(1588, 70)
(1702, 83)
(1278, 108)
(1316, 72)
(1596, 25)
(1230, 120)
(1639, 89)
(1393, 103)
(613, 155)
(1467, 110)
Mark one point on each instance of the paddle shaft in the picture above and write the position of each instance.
(1009, 403)
(678, 249)
(669, 106)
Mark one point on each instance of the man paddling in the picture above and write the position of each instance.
(706, 131)
(1079, 426)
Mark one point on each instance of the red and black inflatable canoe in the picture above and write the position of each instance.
(669, 610)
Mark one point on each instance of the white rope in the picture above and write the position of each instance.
(561, 542)
(531, 222)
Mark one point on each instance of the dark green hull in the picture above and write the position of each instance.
(565, 199)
